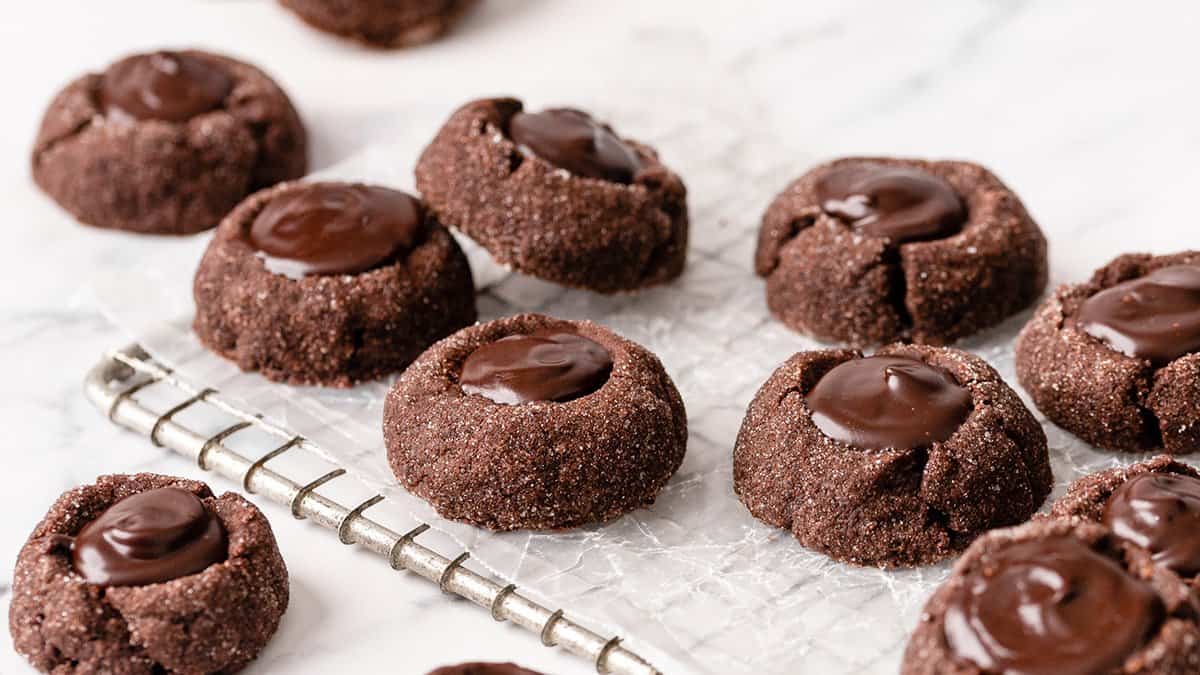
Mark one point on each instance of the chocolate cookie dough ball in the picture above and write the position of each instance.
(1056, 597)
(896, 459)
(867, 250)
(483, 669)
(330, 283)
(1154, 505)
(535, 423)
(147, 574)
(381, 23)
(166, 142)
(1116, 360)
(557, 195)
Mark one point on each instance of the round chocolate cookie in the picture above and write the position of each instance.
(483, 669)
(330, 283)
(381, 23)
(1056, 597)
(530, 422)
(121, 576)
(866, 250)
(1153, 504)
(166, 142)
(896, 459)
(558, 195)
(1116, 360)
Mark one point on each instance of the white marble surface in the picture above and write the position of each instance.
(1089, 111)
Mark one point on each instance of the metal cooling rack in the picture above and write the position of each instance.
(112, 386)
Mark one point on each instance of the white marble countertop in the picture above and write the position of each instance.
(1088, 110)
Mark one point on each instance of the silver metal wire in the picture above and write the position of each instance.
(111, 388)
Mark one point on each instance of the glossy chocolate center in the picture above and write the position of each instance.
(1155, 317)
(1050, 607)
(163, 86)
(1161, 513)
(546, 365)
(572, 140)
(149, 537)
(332, 228)
(888, 402)
(899, 203)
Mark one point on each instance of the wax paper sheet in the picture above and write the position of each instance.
(693, 582)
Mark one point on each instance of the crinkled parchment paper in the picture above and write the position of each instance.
(694, 582)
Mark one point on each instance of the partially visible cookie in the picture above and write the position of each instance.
(381, 23)
(123, 575)
(558, 195)
(867, 250)
(483, 669)
(330, 283)
(166, 142)
(1116, 360)
(1153, 504)
(1061, 597)
(531, 422)
(897, 459)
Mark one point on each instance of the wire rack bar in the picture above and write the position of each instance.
(110, 386)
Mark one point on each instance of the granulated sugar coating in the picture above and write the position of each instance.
(335, 329)
(538, 465)
(1171, 648)
(890, 507)
(161, 177)
(542, 220)
(831, 282)
(1115, 401)
(217, 620)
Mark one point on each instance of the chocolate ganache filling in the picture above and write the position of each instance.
(149, 537)
(1161, 513)
(1050, 607)
(899, 203)
(888, 402)
(546, 365)
(334, 228)
(572, 140)
(1155, 317)
(165, 86)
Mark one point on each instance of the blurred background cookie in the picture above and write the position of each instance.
(381, 23)
(166, 142)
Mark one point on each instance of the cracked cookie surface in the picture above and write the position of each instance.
(63, 624)
(543, 220)
(834, 282)
(167, 176)
(893, 506)
(328, 329)
(1105, 397)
